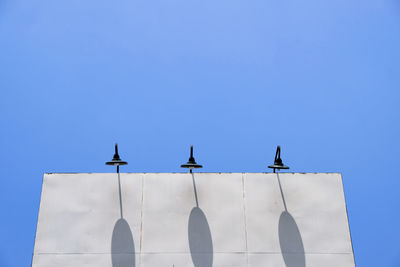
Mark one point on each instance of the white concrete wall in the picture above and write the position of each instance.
(204, 220)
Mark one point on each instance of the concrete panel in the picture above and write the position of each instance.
(184, 260)
(296, 213)
(76, 260)
(79, 213)
(171, 216)
(200, 220)
(297, 260)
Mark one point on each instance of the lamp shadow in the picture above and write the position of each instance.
(290, 240)
(199, 235)
(200, 240)
(122, 245)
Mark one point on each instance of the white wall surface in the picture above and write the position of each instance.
(200, 220)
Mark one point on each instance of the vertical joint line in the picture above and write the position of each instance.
(245, 220)
(141, 223)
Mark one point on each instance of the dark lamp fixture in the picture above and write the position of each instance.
(191, 164)
(116, 161)
(278, 161)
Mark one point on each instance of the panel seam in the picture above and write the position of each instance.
(245, 221)
(141, 224)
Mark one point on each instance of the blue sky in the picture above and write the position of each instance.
(235, 78)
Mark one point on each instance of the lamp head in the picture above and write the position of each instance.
(278, 164)
(191, 164)
(116, 160)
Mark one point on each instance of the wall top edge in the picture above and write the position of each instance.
(51, 173)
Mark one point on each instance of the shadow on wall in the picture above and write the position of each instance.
(290, 241)
(200, 241)
(122, 246)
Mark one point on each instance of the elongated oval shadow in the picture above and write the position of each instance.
(290, 241)
(200, 240)
(122, 246)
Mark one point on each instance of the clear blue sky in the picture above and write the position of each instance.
(235, 78)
